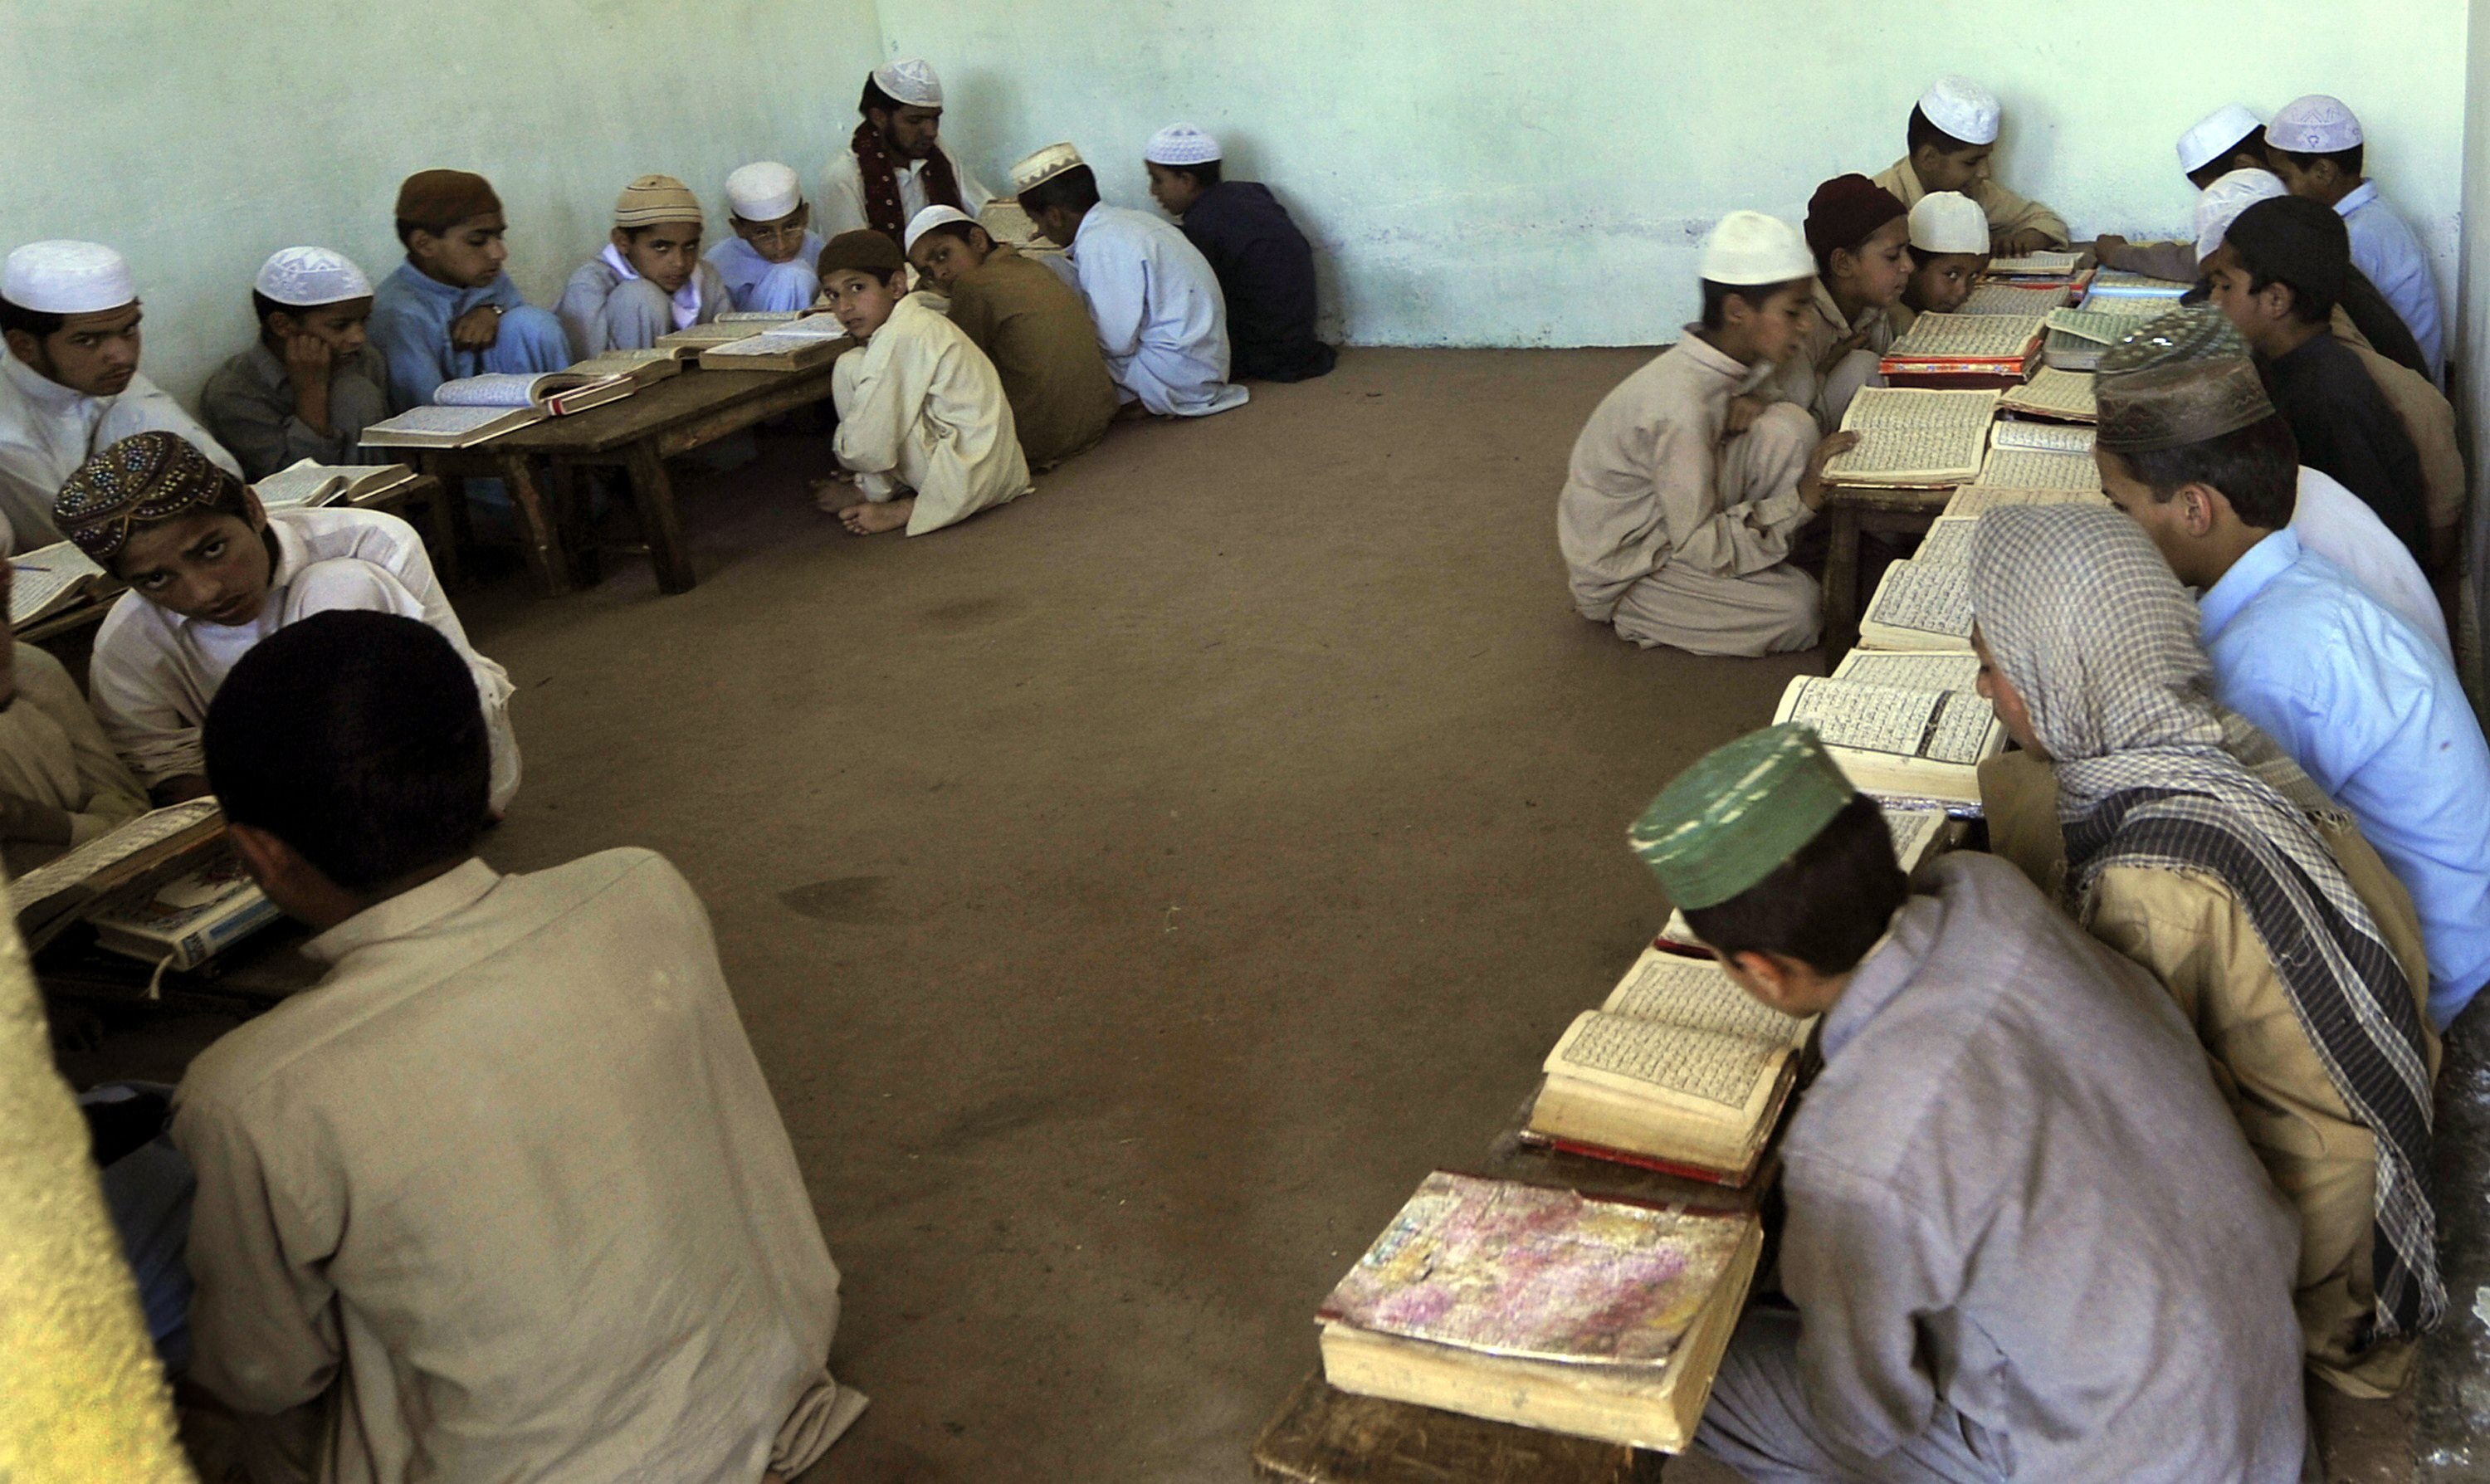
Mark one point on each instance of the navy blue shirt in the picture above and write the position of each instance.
(1266, 270)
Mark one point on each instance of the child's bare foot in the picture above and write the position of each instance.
(864, 517)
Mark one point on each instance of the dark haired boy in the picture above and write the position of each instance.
(70, 384)
(1030, 323)
(648, 280)
(311, 383)
(923, 420)
(2316, 145)
(430, 1235)
(1952, 138)
(1861, 237)
(2360, 697)
(1264, 265)
(450, 311)
(2009, 1124)
(896, 163)
(1692, 475)
(2277, 276)
(1162, 320)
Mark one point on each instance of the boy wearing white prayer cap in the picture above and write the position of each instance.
(767, 264)
(1162, 319)
(896, 163)
(1689, 481)
(2228, 140)
(311, 383)
(1952, 138)
(1265, 266)
(70, 384)
(1949, 252)
(2317, 146)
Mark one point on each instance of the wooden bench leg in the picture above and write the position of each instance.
(655, 494)
(448, 528)
(573, 491)
(543, 538)
(1841, 582)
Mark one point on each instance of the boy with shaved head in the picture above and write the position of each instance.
(70, 384)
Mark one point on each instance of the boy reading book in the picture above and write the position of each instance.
(923, 420)
(1265, 266)
(70, 384)
(1162, 320)
(2229, 138)
(450, 311)
(2316, 145)
(1949, 252)
(546, 1261)
(767, 265)
(1975, 1289)
(648, 280)
(1691, 479)
(1951, 138)
(311, 383)
(1860, 236)
(211, 574)
(61, 785)
(1030, 323)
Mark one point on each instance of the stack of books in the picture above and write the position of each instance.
(1965, 350)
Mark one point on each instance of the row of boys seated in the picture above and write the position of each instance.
(1137, 316)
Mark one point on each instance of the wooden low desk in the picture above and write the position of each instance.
(423, 490)
(1849, 510)
(637, 435)
(1322, 1435)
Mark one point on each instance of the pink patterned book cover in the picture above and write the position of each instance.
(1538, 1273)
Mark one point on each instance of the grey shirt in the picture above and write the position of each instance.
(248, 404)
(2014, 1188)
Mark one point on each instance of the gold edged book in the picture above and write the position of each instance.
(1678, 1070)
(1541, 1307)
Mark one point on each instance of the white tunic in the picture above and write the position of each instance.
(2335, 523)
(155, 671)
(1162, 320)
(921, 406)
(46, 431)
(841, 208)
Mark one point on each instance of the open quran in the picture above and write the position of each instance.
(2067, 395)
(2042, 437)
(1973, 500)
(1912, 438)
(50, 579)
(474, 408)
(790, 345)
(135, 855)
(2030, 468)
(1544, 1307)
(1984, 345)
(1923, 602)
(1678, 1069)
(2012, 299)
(2036, 265)
(1899, 743)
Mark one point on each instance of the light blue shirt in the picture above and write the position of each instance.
(410, 326)
(742, 267)
(2386, 249)
(2375, 714)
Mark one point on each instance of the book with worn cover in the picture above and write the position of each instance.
(2055, 393)
(56, 892)
(1544, 1307)
(189, 919)
(1678, 1069)
(1915, 439)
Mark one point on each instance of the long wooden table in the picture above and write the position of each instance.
(636, 435)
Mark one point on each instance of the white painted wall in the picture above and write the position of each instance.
(199, 135)
(2471, 350)
(1477, 172)
(1472, 173)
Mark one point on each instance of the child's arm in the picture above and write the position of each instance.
(880, 397)
(2016, 225)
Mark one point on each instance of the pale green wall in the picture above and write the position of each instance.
(1472, 173)
(199, 135)
(1485, 172)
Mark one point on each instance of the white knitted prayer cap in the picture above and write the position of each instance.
(2205, 139)
(763, 192)
(909, 80)
(1750, 248)
(1044, 165)
(2315, 124)
(1181, 144)
(305, 278)
(1949, 221)
(929, 219)
(67, 278)
(2222, 201)
(1962, 108)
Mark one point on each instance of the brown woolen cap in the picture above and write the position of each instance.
(864, 250)
(437, 200)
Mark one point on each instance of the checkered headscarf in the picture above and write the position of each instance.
(143, 479)
(2087, 623)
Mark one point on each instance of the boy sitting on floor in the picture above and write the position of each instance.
(1691, 479)
(450, 311)
(311, 383)
(1949, 252)
(923, 416)
(767, 264)
(1030, 323)
(505, 1195)
(648, 280)
(211, 574)
(1161, 317)
(60, 783)
(1952, 137)
(2316, 145)
(1265, 266)
(1861, 237)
